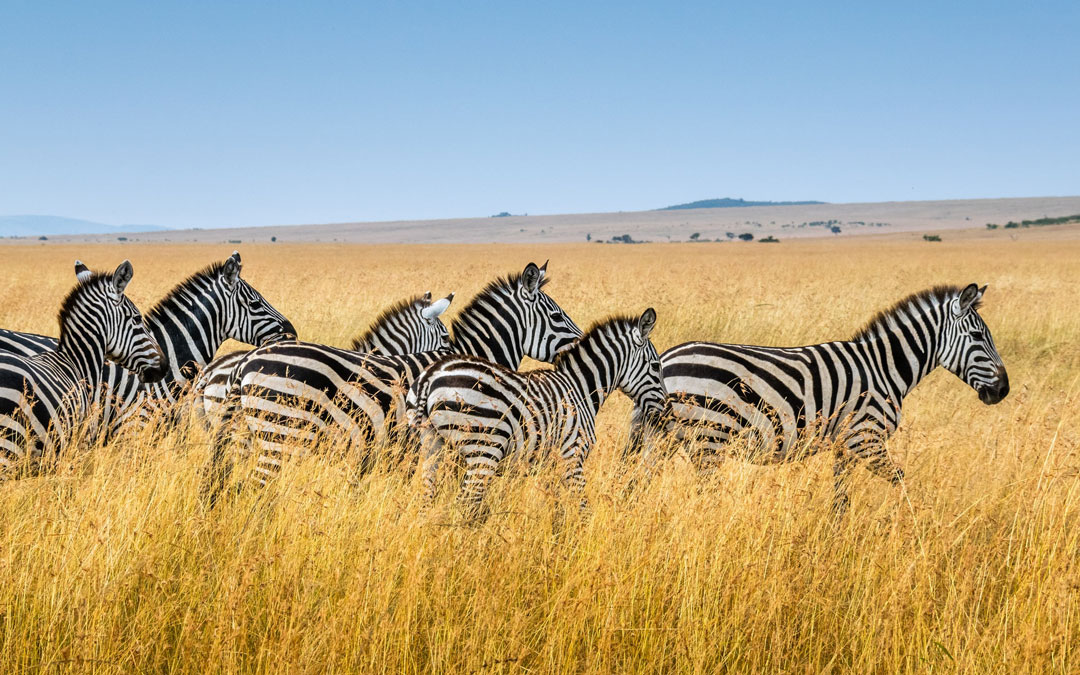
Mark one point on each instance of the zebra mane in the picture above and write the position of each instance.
(625, 322)
(937, 294)
(499, 285)
(73, 295)
(209, 272)
(385, 316)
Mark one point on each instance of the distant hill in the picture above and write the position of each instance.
(728, 203)
(36, 226)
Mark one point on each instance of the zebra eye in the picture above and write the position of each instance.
(558, 317)
(976, 336)
(134, 319)
(255, 304)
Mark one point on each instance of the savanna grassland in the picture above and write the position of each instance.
(111, 563)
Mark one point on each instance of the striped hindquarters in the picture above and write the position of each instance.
(292, 395)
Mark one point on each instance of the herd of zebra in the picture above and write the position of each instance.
(410, 390)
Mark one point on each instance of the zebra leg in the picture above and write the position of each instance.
(869, 444)
(220, 468)
(842, 466)
(432, 448)
(481, 463)
(574, 472)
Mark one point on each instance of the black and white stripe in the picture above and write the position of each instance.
(410, 326)
(290, 394)
(44, 397)
(189, 324)
(487, 411)
(848, 392)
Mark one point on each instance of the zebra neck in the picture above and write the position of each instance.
(189, 332)
(84, 351)
(904, 350)
(590, 378)
(492, 331)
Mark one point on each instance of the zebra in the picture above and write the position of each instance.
(189, 324)
(289, 394)
(488, 411)
(848, 393)
(44, 397)
(408, 326)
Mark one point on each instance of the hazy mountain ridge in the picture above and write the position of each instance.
(36, 226)
(728, 202)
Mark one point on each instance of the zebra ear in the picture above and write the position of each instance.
(436, 308)
(646, 322)
(230, 271)
(121, 277)
(531, 277)
(543, 269)
(968, 298)
(82, 272)
(427, 296)
(236, 256)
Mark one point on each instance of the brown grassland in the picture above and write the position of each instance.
(111, 563)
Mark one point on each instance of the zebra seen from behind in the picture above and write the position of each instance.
(488, 412)
(288, 395)
(190, 324)
(44, 397)
(409, 326)
(848, 393)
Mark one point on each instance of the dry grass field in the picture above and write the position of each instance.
(112, 564)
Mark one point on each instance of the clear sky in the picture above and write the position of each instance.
(254, 113)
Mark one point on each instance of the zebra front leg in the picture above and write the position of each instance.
(870, 446)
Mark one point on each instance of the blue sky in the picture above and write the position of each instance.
(232, 113)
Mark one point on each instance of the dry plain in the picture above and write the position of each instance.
(112, 564)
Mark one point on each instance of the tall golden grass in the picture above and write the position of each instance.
(111, 563)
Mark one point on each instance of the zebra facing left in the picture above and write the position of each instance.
(43, 398)
(848, 393)
(190, 324)
(488, 412)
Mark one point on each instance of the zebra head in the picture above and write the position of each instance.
(967, 348)
(641, 379)
(547, 328)
(127, 341)
(408, 327)
(248, 317)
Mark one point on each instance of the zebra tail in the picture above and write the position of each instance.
(416, 402)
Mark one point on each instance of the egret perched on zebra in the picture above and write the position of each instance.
(45, 397)
(488, 412)
(190, 324)
(409, 326)
(289, 395)
(849, 393)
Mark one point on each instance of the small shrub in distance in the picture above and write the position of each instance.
(931, 237)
